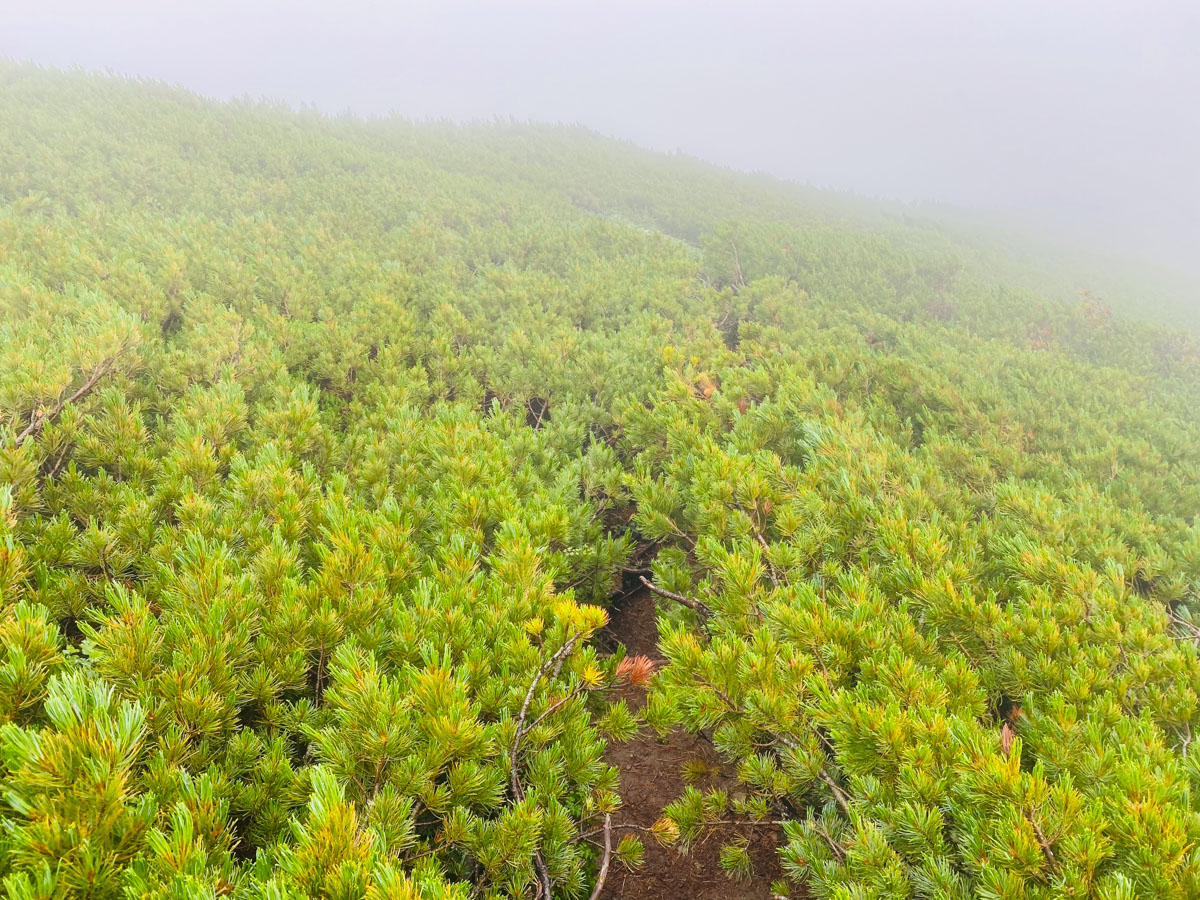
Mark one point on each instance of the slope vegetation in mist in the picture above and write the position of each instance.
(327, 444)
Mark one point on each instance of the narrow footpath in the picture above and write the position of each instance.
(652, 776)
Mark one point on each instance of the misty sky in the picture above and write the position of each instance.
(1082, 115)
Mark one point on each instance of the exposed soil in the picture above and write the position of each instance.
(633, 623)
(652, 776)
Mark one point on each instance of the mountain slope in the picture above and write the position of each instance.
(328, 442)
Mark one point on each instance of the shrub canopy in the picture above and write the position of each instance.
(326, 442)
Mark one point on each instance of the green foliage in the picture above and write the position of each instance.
(69, 789)
(325, 442)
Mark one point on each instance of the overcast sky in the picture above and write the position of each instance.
(1083, 113)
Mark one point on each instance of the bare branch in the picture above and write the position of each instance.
(772, 571)
(838, 850)
(1191, 632)
(838, 794)
(553, 709)
(604, 861)
(690, 602)
(38, 420)
(547, 886)
(555, 660)
(559, 654)
(1045, 844)
(842, 798)
(738, 265)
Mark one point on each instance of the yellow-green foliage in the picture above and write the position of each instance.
(324, 443)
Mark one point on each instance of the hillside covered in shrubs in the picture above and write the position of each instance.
(327, 444)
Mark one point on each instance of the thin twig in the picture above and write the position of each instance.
(738, 265)
(842, 798)
(632, 826)
(838, 850)
(771, 570)
(58, 462)
(543, 874)
(38, 420)
(604, 861)
(553, 709)
(724, 697)
(690, 602)
(545, 884)
(1193, 633)
(762, 542)
(838, 794)
(514, 778)
(1041, 836)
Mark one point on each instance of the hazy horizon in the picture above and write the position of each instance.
(1077, 119)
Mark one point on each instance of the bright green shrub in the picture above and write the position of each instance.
(325, 442)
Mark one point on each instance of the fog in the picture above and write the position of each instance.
(1080, 117)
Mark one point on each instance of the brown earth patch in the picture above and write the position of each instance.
(633, 623)
(652, 777)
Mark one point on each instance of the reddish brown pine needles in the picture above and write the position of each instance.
(637, 670)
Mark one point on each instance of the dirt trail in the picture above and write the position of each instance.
(651, 777)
